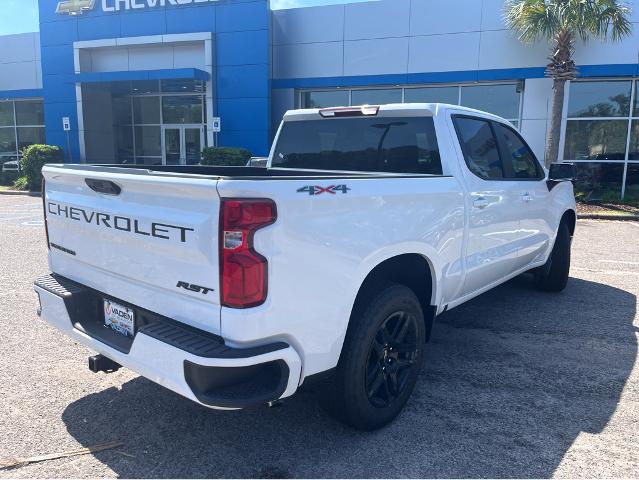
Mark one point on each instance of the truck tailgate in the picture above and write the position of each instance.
(155, 244)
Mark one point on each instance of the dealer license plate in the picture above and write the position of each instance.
(119, 318)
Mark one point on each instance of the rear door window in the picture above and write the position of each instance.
(479, 147)
(370, 144)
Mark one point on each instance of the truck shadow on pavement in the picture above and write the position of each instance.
(510, 379)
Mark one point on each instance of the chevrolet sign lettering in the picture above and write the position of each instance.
(121, 223)
(76, 7)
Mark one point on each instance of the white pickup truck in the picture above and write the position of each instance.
(232, 286)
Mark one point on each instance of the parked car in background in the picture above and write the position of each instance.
(11, 166)
(233, 286)
(258, 162)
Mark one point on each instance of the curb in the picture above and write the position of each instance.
(19, 192)
(597, 216)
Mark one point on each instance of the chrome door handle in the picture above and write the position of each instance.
(526, 197)
(480, 202)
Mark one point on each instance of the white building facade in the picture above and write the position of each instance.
(237, 59)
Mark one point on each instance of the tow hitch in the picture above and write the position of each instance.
(100, 363)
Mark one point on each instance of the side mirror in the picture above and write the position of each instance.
(562, 172)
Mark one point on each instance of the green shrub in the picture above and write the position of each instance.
(21, 183)
(226, 156)
(34, 158)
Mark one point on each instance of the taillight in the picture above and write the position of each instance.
(44, 212)
(243, 271)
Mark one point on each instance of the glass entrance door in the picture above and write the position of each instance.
(172, 147)
(182, 145)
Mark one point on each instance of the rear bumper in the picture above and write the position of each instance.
(191, 362)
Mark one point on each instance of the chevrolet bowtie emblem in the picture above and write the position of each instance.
(75, 7)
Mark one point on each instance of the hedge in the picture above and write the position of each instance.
(226, 156)
(34, 158)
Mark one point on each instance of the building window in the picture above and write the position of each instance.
(602, 136)
(333, 98)
(182, 109)
(21, 125)
(503, 99)
(432, 95)
(376, 96)
(142, 108)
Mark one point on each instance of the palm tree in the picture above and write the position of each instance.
(561, 22)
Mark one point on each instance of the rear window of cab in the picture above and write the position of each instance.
(370, 144)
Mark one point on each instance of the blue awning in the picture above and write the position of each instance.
(168, 74)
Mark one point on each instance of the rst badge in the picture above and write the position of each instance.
(75, 7)
(318, 190)
(194, 288)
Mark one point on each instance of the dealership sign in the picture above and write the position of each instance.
(78, 7)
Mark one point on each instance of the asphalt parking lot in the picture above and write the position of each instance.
(516, 383)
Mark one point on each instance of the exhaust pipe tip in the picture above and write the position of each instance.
(100, 363)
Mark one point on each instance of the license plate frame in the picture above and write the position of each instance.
(119, 318)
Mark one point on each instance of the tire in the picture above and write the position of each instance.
(380, 360)
(553, 276)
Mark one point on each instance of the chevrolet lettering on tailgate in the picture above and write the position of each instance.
(164, 231)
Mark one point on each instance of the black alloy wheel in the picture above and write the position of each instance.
(391, 358)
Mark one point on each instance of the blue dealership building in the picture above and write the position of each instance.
(142, 81)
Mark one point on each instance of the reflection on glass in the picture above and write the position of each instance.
(122, 114)
(30, 136)
(598, 181)
(599, 99)
(432, 95)
(632, 183)
(182, 109)
(141, 87)
(633, 154)
(502, 100)
(193, 145)
(119, 89)
(148, 142)
(7, 140)
(124, 143)
(376, 96)
(596, 139)
(185, 86)
(335, 98)
(30, 112)
(172, 148)
(146, 110)
(6, 114)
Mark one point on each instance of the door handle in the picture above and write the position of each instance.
(526, 197)
(480, 202)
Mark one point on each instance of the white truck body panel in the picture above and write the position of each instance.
(474, 234)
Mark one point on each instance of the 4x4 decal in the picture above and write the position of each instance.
(317, 190)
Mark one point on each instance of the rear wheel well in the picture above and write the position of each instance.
(411, 270)
(570, 218)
